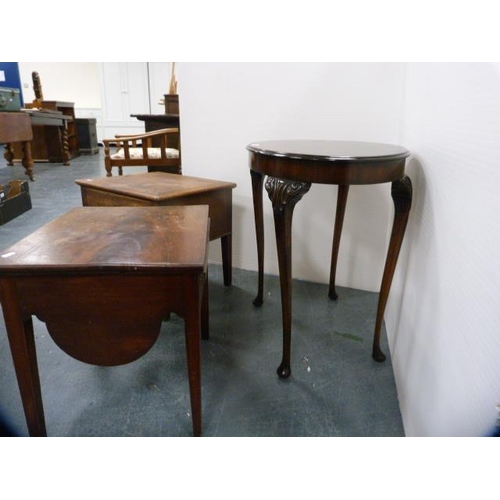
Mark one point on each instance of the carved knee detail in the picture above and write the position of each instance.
(401, 192)
(283, 193)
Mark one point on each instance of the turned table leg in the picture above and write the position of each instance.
(284, 195)
(337, 232)
(257, 181)
(401, 194)
(9, 154)
(65, 145)
(27, 161)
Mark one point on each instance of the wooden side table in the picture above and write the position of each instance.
(162, 189)
(52, 141)
(291, 167)
(102, 279)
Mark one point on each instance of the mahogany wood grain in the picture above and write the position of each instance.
(102, 279)
(162, 189)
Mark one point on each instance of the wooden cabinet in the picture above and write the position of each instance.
(87, 135)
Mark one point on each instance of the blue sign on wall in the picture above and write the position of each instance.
(11, 78)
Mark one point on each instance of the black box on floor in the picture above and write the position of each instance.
(87, 135)
(15, 199)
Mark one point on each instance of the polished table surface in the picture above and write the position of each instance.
(291, 166)
(162, 189)
(103, 279)
(329, 150)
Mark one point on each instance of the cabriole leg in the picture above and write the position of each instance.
(402, 195)
(284, 195)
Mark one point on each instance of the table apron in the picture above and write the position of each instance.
(328, 172)
(103, 320)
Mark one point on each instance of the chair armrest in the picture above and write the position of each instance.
(125, 142)
(145, 135)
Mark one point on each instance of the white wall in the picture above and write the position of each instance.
(225, 106)
(77, 82)
(109, 92)
(443, 317)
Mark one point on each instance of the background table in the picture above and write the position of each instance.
(16, 128)
(52, 141)
(102, 279)
(291, 167)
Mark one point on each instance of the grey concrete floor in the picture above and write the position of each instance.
(336, 389)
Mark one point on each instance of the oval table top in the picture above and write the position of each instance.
(328, 162)
(325, 150)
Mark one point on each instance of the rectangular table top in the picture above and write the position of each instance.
(155, 186)
(108, 240)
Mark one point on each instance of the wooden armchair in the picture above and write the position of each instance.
(158, 150)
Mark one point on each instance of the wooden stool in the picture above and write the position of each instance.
(162, 189)
(102, 279)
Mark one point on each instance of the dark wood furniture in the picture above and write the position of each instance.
(156, 122)
(87, 135)
(156, 150)
(171, 102)
(291, 167)
(102, 279)
(55, 136)
(67, 109)
(16, 128)
(160, 189)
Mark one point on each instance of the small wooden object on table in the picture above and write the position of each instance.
(171, 99)
(102, 279)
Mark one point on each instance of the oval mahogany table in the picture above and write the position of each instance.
(291, 167)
